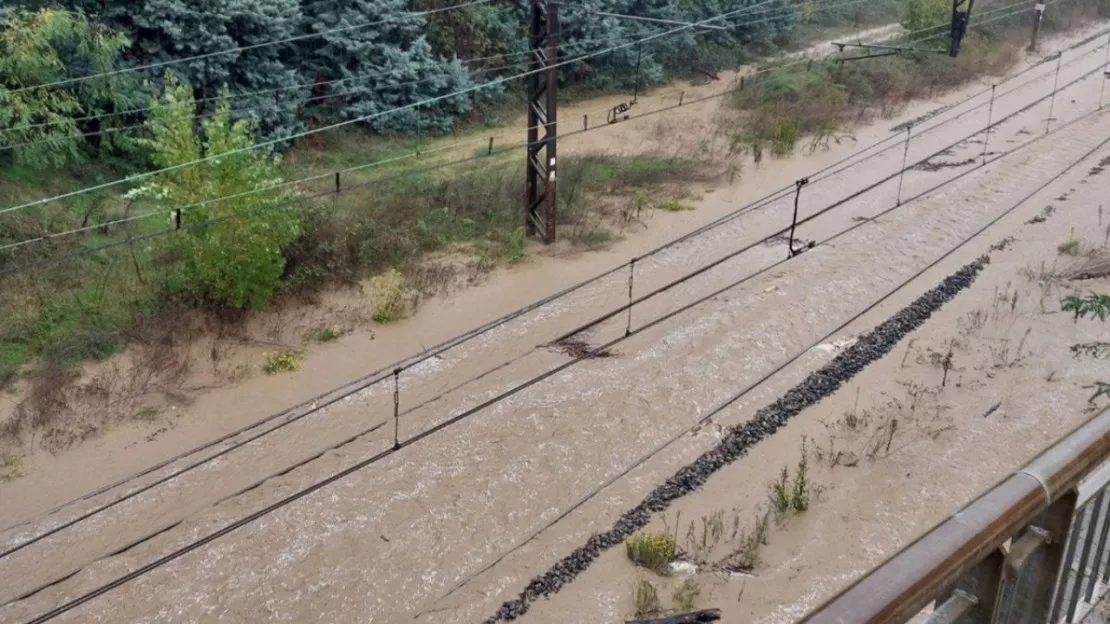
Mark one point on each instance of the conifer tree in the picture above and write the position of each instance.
(383, 61)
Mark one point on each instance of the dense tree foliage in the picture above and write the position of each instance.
(45, 122)
(238, 260)
(356, 59)
(374, 56)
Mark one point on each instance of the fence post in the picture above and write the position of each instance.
(1038, 14)
(1052, 100)
(338, 183)
(177, 218)
(794, 221)
(396, 408)
(1105, 67)
(586, 121)
(489, 150)
(681, 96)
(990, 119)
(905, 157)
(631, 276)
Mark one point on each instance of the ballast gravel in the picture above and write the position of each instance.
(739, 439)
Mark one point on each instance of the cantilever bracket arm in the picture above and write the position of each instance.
(876, 46)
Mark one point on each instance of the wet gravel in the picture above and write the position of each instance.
(739, 439)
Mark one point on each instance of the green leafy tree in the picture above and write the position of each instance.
(381, 65)
(47, 46)
(166, 30)
(237, 261)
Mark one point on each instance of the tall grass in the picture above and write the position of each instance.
(779, 108)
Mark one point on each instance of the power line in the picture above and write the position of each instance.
(316, 98)
(373, 116)
(578, 330)
(819, 6)
(784, 11)
(304, 85)
(705, 268)
(233, 50)
(321, 176)
(192, 546)
(406, 107)
(398, 109)
(149, 123)
(181, 209)
(567, 575)
(558, 294)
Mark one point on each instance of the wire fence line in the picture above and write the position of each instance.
(340, 188)
(395, 373)
(417, 153)
(76, 602)
(766, 15)
(377, 115)
(337, 176)
(389, 372)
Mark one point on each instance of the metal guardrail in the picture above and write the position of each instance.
(1033, 549)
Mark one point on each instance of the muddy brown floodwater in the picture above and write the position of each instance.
(392, 540)
(53, 479)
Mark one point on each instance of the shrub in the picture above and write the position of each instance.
(676, 204)
(783, 136)
(389, 296)
(285, 362)
(12, 466)
(1068, 248)
(799, 495)
(654, 551)
(686, 594)
(1092, 305)
(238, 258)
(647, 599)
(516, 249)
(327, 334)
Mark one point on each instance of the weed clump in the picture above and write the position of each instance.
(285, 362)
(654, 551)
(685, 595)
(1092, 305)
(327, 334)
(647, 599)
(746, 556)
(1068, 248)
(12, 466)
(1098, 350)
(792, 495)
(389, 297)
(515, 249)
